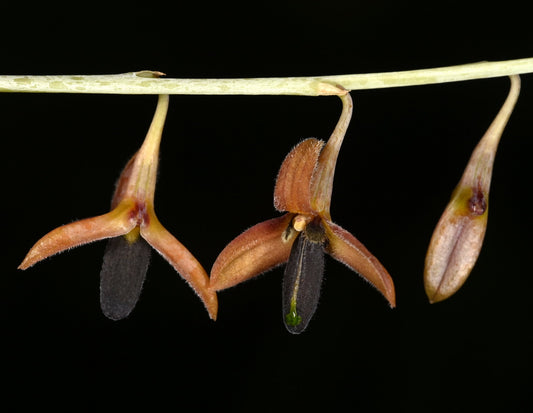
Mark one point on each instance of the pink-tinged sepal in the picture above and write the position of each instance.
(345, 248)
(293, 185)
(455, 244)
(258, 249)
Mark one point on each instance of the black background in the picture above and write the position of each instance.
(404, 152)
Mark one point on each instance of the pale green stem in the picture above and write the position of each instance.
(479, 168)
(147, 82)
(144, 168)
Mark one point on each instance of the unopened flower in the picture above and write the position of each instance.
(301, 236)
(131, 226)
(458, 237)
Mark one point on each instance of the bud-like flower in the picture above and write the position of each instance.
(131, 227)
(458, 237)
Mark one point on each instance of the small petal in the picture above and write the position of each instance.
(114, 223)
(344, 247)
(293, 191)
(302, 279)
(258, 249)
(122, 183)
(122, 276)
(455, 245)
(182, 260)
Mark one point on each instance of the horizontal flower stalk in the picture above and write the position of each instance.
(148, 82)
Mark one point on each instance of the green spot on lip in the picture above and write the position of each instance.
(293, 319)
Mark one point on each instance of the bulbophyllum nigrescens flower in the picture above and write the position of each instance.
(131, 227)
(301, 236)
(457, 239)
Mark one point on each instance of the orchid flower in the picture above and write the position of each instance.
(457, 239)
(302, 235)
(132, 226)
